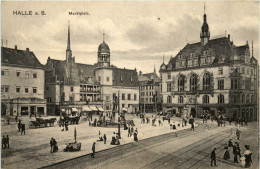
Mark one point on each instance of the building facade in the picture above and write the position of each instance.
(22, 83)
(149, 92)
(70, 84)
(213, 76)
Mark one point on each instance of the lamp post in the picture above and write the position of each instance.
(119, 134)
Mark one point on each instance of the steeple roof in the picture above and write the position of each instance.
(68, 42)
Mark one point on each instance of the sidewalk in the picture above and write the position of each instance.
(33, 150)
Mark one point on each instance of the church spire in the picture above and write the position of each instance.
(68, 43)
(163, 58)
(154, 70)
(252, 48)
(204, 35)
(103, 37)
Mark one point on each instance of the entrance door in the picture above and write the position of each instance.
(40, 110)
(24, 111)
(33, 110)
(193, 112)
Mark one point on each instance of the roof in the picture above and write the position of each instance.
(148, 77)
(85, 71)
(124, 77)
(24, 58)
(219, 48)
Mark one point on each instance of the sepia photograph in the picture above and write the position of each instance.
(130, 84)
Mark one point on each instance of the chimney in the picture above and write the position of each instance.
(229, 37)
(15, 47)
(27, 49)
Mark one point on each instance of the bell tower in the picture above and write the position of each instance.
(103, 54)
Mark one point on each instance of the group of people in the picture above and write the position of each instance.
(21, 127)
(100, 138)
(5, 142)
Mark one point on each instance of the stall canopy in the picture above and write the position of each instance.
(74, 109)
(86, 108)
(93, 108)
(124, 109)
(100, 109)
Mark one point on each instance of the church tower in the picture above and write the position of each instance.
(204, 34)
(68, 51)
(103, 54)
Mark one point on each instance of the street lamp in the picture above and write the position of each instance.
(119, 134)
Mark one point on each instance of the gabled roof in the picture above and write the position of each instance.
(15, 57)
(125, 77)
(148, 77)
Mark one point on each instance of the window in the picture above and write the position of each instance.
(129, 96)
(17, 89)
(18, 73)
(160, 87)
(205, 99)
(220, 70)
(146, 100)
(5, 89)
(234, 84)
(123, 96)
(247, 99)
(169, 99)
(252, 98)
(107, 98)
(247, 71)
(243, 70)
(2, 72)
(169, 76)
(135, 97)
(181, 83)
(99, 78)
(5, 72)
(123, 105)
(34, 89)
(35, 75)
(221, 84)
(107, 79)
(71, 89)
(243, 98)
(193, 82)
(221, 98)
(26, 89)
(71, 98)
(180, 100)
(107, 107)
(206, 81)
(27, 74)
(169, 87)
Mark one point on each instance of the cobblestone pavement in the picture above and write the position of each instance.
(33, 150)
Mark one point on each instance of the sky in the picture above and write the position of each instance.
(139, 34)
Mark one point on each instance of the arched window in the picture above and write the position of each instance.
(243, 98)
(205, 99)
(181, 83)
(180, 99)
(193, 82)
(252, 98)
(247, 98)
(169, 99)
(206, 81)
(221, 98)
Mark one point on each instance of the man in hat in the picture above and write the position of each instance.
(93, 150)
(213, 157)
(52, 144)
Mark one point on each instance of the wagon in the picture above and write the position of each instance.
(75, 146)
(34, 124)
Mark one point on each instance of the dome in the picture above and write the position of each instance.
(104, 48)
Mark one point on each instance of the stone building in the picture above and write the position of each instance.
(150, 96)
(72, 86)
(213, 76)
(22, 83)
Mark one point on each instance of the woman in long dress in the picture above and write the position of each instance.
(135, 135)
(248, 155)
(226, 154)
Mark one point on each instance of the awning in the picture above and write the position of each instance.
(74, 109)
(86, 108)
(93, 108)
(100, 109)
(124, 109)
(62, 110)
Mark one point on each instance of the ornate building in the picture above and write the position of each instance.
(73, 86)
(212, 76)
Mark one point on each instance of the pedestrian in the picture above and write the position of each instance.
(248, 156)
(19, 126)
(105, 138)
(16, 118)
(238, 134)
(243, 160)
(93, 150)
(129, 131)
(22, 129)
(3, 142)
(230, 143)
(135, 135)
(30, 115)
(7, 141)
(52, 144)
(235, 152)
(213, 157)
(226, 153)
(8, 120)
(192, 126)
(132, 131)
(159, 122)
(66, 125)
(99, 133)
